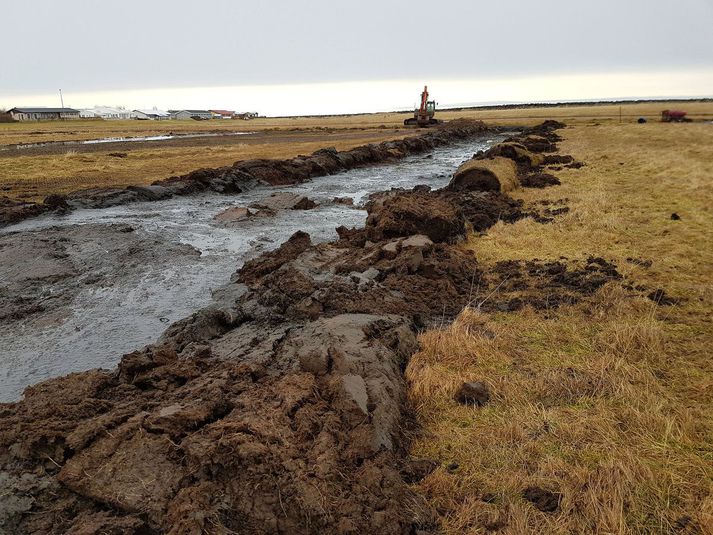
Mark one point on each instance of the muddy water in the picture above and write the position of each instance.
(103, 140)
(109, 281)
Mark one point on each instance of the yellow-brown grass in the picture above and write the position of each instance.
(29, 132)
(610, 401)
(34, 177)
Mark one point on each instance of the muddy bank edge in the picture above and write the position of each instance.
(279, 409)
(244, 175)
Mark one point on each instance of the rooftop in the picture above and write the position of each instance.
(44, 110)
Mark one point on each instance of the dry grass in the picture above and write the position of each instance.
(610, 401)
(34, 177)
(34, 132)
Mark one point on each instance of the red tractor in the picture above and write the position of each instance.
(423, 116)
(674, 116)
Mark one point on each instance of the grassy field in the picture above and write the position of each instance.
(36, 132)
(34, 177)
(608, 402)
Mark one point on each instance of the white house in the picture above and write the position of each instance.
(156, 115)
(106, 112)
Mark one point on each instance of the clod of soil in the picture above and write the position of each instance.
(513, 151)
(417, 469)
(660, 297)
(493, 174)
(544, 500)
(394, 216)
(232, 215)
(539, 180)
(473, 393)
(544, 285)
(557, 159)
(283, 201)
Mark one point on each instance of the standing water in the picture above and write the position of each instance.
(177, 256)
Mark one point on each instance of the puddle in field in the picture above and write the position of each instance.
(162, 137)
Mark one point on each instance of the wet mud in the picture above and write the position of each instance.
(243, 175)
(281, 407)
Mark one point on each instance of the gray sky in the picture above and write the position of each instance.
(88, 46)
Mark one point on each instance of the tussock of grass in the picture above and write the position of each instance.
(609, 401)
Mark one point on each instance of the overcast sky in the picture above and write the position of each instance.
(312, 55)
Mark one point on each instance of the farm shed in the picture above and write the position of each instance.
(222, 114)
(155, 115)
(191, 114)
(43, 114)
(106, 112)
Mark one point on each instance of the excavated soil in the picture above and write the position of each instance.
(244, 175)
(282, 407)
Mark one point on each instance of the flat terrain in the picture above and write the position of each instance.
(123, 164)
(608, 403)
(33, 173)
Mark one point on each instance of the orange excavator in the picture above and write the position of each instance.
(423, 116)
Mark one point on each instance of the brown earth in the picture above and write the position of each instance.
(243, 175)
(283, 411)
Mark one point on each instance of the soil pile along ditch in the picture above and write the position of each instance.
(280, 408)
(130, 270)
(244, 175)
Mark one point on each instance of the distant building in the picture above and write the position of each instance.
(155, 115)
(43, 114)
(246, 115)
(192, 114)
(106, 112)
(222, 114)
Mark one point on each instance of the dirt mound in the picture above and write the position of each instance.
(404, 214)
(546, 130)
(12, 211)
(283, 201)
(514, 151)
(493, 174)
(482, 209)
(535, 143)
(557, 159)
(245, 175)
(269, 262)
(545, 285)
(539, 180)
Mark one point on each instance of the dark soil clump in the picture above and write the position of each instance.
(544, 500)
(661, 298)
(539, 180)
(544, 285)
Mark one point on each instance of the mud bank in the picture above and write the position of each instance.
(104, 317)
(280, 408)
(243, 175)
